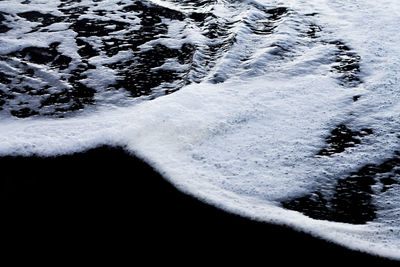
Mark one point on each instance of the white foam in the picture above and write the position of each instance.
(249, 143)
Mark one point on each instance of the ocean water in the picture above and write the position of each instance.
(280, 111)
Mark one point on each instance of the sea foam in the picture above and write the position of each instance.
(245, 134)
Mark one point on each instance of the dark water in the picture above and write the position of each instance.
(109, 202)
(29, 75)
(29, 87)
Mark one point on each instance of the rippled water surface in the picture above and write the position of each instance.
(282, 111)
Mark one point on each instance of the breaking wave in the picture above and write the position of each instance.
(283, 112)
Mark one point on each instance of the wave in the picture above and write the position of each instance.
(283, 112)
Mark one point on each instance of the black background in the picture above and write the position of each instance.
(105, 205)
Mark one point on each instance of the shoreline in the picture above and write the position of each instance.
(106, 195)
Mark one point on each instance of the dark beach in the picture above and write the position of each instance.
(105, 203)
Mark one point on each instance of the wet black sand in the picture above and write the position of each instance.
(107, 205)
